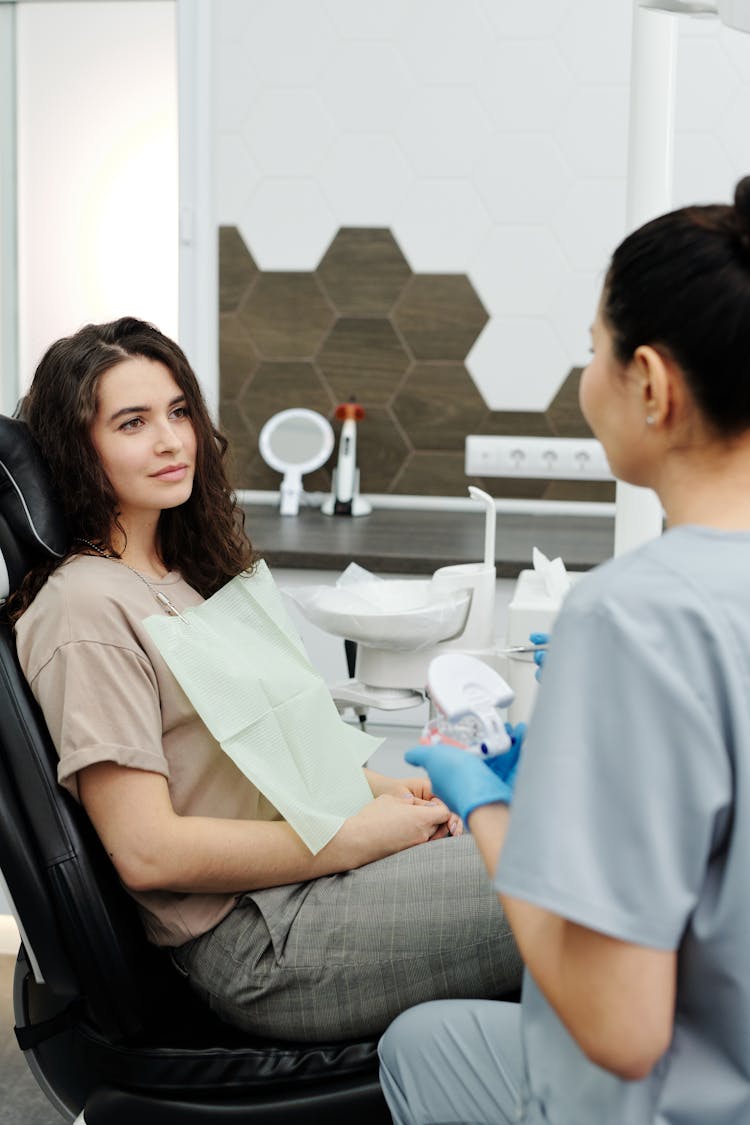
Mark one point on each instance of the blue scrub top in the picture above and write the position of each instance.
(632, 817)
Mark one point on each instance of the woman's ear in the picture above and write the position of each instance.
(660, 384)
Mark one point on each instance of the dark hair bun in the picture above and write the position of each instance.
(742, 212)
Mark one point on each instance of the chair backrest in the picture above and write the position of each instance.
(80, 929)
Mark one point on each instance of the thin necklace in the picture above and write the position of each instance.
(165, 603)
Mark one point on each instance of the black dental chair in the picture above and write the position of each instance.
(110, 1030)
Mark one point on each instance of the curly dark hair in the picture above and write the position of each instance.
(204, 538)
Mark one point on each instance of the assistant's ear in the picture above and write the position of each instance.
(660, 384)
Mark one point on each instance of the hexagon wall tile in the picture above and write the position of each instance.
(363, 358)
(286, 315)
(363, 272)
(440, 316)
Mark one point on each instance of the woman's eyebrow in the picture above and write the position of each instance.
(143, 409)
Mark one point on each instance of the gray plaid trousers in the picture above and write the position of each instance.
(339, 957)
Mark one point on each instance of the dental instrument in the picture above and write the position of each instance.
(345, 499)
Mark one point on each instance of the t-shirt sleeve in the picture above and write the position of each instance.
(624, 778)
(101, 704)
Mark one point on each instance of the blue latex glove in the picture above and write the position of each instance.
(461, 780)
(541, 655)
(506, 765)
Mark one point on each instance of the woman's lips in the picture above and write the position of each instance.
(172, 472)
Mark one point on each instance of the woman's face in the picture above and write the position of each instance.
(612, 403)
(144, 437)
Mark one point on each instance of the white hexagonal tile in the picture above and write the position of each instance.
(518, 364)
(593, 132)
(287, 224)
(706, 83)
(236, 176)
(365, 86)
(595, 38)
(525, 86)
(703, 172)
(590, 222)
(736, 47)
(287, 130)
(287, 41)
(365, 21)
(518, 270)
(572, 312)
(445, 43)
(442, 131)
(234, 83)
(439, 225)
(527, 21)
(363, 176)
(733, 130)
(521, 177)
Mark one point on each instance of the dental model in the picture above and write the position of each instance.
(467, 695)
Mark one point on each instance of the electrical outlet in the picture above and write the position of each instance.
(548, 458)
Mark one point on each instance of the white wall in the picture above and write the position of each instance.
(490, 135)
(97, 167)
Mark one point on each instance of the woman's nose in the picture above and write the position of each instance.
(168, 437)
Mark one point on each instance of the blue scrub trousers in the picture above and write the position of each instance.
(454, 1062)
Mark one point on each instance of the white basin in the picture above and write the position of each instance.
(399, 615)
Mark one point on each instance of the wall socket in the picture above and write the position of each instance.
(548, 458)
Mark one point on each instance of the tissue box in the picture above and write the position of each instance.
(531, 610)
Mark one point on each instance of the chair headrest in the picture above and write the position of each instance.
(32, 523)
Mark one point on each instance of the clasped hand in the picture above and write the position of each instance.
(465, 781)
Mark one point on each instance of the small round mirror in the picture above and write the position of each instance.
(294, 442)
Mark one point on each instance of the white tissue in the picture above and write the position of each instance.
(555, 577)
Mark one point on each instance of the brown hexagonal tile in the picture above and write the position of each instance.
(279, 385)
(520, 423)
(237, 269)
(435, 474)
(438, 404)
(514, 487)
(564, 413)
(440, 316)
(237, 356)
(381, 450)
(286, 315)
(363, 358)
(601, 491)
(243, 442)
(363, 271)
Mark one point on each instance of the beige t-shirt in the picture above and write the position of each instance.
(107, 695)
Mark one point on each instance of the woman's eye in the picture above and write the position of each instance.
(132, 424)
(181, 412)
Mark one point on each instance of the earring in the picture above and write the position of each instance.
(650, 419)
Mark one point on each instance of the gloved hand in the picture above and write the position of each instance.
(506, 765)
(541, 655)
(461, 780)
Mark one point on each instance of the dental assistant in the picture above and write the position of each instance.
(278, 941)
(622, 864)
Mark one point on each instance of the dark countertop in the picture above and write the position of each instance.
(420, 541)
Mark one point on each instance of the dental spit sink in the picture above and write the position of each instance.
(395, 615)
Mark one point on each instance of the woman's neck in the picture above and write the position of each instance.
(709, 486)
(139, 548)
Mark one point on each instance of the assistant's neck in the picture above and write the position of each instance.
(708, 485)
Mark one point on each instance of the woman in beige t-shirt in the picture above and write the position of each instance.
(395, 908)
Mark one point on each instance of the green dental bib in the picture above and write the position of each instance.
(242, 665)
